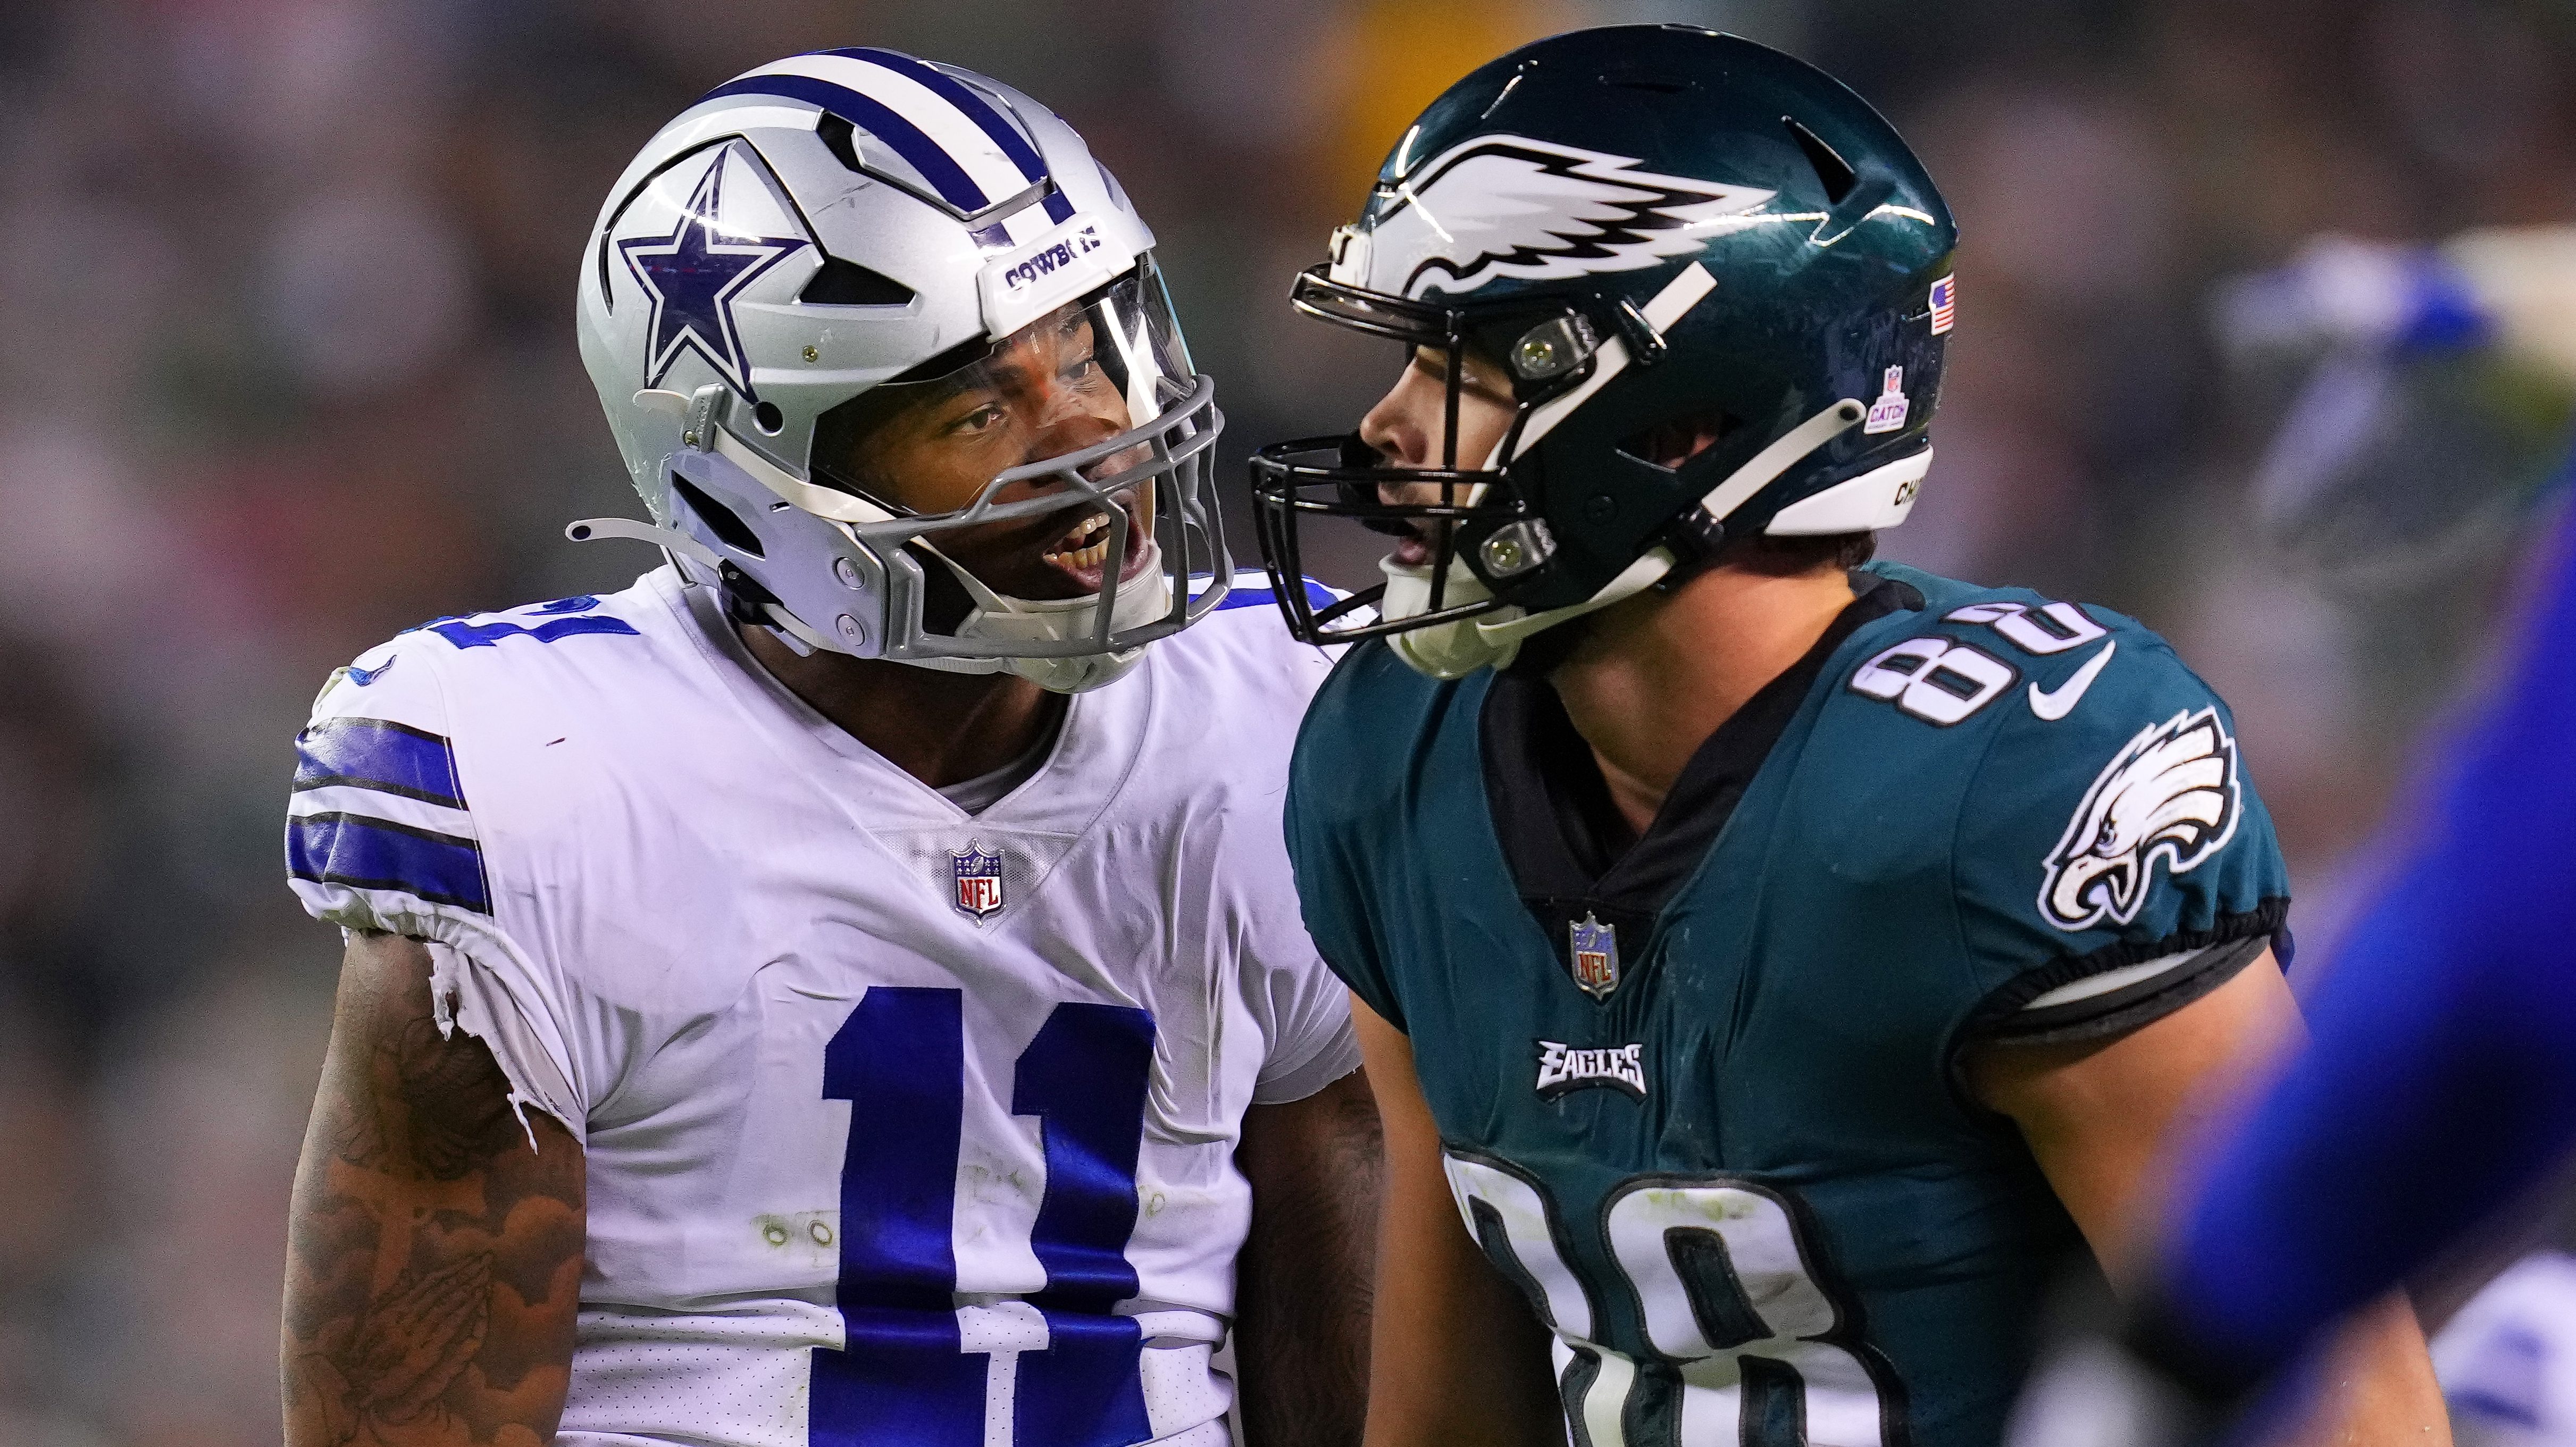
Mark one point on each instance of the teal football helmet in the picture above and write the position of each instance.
(1643, 226)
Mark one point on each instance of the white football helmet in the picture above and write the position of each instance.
(887, 356)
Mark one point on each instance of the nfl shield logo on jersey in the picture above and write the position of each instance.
(1596, 956)
(979, 879)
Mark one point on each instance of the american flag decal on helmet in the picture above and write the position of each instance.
(978, 873)
(1945, 304)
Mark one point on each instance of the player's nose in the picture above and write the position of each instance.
(1070, 430)
(1400, 428)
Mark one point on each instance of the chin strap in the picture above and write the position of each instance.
(995, 615)
(1458, 649)
(1783, 454)
(790, 629)
(669, 540)
(999, 616)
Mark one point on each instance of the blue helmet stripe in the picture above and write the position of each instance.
(878, 119)
(973, 107)
(954, 91)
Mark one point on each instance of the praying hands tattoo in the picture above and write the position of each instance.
(435, 1242)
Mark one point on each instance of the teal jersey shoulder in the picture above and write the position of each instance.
(1724, 1146)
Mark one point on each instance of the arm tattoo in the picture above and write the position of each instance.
(435, 1250)
(1305, 1280)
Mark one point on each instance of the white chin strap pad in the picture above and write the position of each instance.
(1440, 650)
(1003, 619)
(1454, 650)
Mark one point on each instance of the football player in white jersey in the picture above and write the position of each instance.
(847, 987)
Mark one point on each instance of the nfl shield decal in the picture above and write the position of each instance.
(1596, 956)
(979, 879)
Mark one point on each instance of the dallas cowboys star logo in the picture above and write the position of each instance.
(693, 276)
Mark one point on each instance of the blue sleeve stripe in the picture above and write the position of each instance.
(487, 635)
(378, 754)
(368, 853)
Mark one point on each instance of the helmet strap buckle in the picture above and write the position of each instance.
(1646, 344)
(1693, 538)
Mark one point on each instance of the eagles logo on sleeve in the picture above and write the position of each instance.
(2170, 793)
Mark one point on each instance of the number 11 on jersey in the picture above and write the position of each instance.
(1057, 1369)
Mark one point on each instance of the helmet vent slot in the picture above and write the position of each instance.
(839, 137)
(1831, 169)
(720, 520)
(846, 283)
(1647, 76)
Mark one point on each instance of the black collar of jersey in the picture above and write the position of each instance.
(1570, 852)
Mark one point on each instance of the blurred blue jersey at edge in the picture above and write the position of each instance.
(2440, 1080)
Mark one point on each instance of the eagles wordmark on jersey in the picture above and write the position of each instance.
(901, 1123)
(1703, 1106)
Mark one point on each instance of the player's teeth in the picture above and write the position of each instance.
(1088, 555)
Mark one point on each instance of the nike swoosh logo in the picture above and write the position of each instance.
(2060, 701)
(364, 676)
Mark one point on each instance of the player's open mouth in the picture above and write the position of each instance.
(1082, 553)
(1414, 550)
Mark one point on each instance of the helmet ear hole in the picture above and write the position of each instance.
(720, 520)
(1673, 442)
(768, 418)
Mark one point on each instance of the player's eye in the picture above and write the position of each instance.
(983, 419)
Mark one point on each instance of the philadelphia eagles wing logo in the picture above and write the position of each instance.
(2170, 793)
(1498, 206)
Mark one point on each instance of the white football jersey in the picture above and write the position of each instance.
(2507, 1361)
(902, 1124)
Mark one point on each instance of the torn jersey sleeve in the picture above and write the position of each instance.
(480, 1001)
(382, 833)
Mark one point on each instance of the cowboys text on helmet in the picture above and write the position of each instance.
(889, 361)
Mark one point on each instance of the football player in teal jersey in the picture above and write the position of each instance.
(1770, 967)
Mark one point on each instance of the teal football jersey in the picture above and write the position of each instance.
(1699, 1092)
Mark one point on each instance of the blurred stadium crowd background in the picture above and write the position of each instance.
(287, 364)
